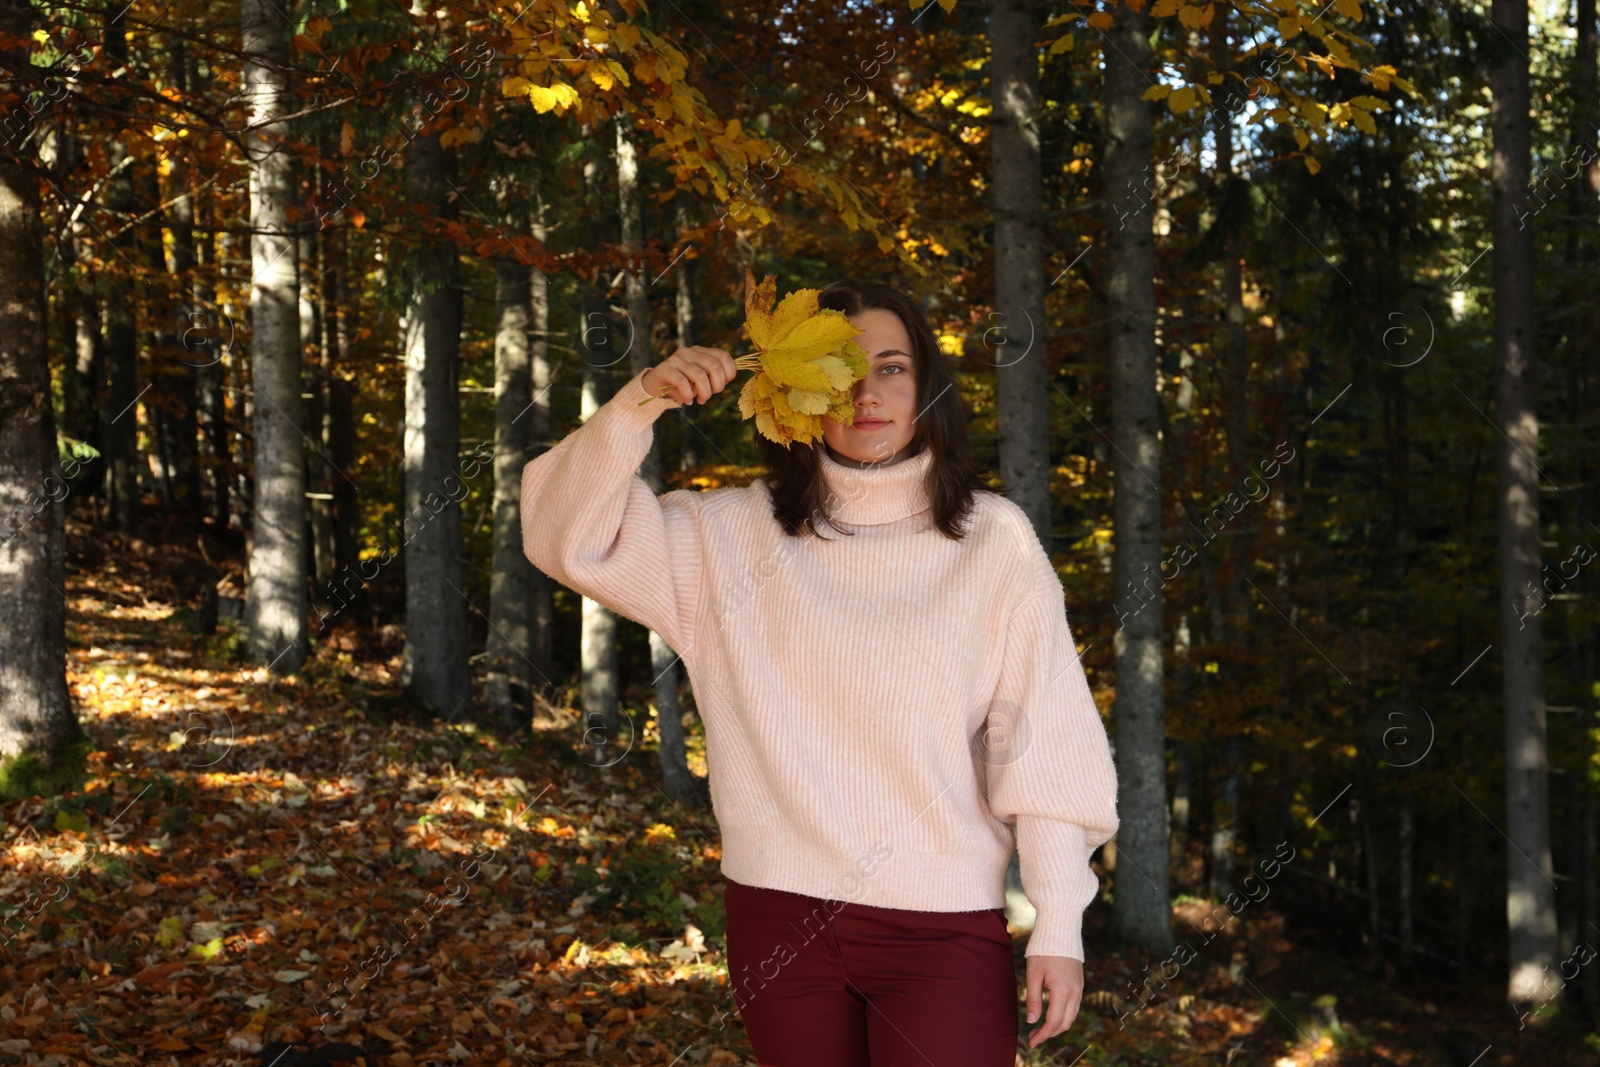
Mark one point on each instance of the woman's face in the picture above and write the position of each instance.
(886, 399)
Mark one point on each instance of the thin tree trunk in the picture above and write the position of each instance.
(121, 414)
(322, 558)
(209, 340)
(1225, 819)
(83, 369)
(1018, 205)
(684, 275)
(1143, 901)
(339, 431)
(1408, 849)
(1369, 855)
(35, 708)
(542, 610)
(1530, 894)
(184, 379)
(435, 671)
(275, 601)
(598, 641)
(511, 585)
(679, 783)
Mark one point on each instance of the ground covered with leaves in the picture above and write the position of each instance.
(297, 870)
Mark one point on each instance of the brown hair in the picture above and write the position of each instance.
(793, 475)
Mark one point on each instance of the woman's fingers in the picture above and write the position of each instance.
(697, 373)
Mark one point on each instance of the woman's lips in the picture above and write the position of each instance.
(868, 424)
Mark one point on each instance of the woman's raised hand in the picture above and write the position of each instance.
(691, 375)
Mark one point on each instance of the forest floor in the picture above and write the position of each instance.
(257, 860)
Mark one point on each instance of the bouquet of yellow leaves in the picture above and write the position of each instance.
(807, 363)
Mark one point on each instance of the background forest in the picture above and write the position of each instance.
(298, 748)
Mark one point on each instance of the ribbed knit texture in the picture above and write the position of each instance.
(881, 708)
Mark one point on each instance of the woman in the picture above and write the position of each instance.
(879, 650)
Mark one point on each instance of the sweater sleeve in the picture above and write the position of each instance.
(591, 523)
(1048, 766)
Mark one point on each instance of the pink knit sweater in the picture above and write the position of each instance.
(882, 708)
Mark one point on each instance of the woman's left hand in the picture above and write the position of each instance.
(1063, 976)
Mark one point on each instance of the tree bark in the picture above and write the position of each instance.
(678, 782)
(688, 336)
(1018, 205)
(35, 707)
(511, 584)
(1530, 894)
(121, 413)
(1143, 906)
(542, 617)
(598, 641)
(275, 601)
(435, 671)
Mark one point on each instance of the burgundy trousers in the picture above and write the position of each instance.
(822, 983)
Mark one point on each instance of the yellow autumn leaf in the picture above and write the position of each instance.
(1349, 8)
(1196, 17)
(1313, 164)
(1165, 9)
(1302, 138)
(1100, 20)
(1363, 120)
(1157, 92)
(1061, 44)
(601, 77)
(543, 99)
(807, 361)
(1288, 27)
(1182, 99)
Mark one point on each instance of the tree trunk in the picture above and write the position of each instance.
(1022, 358)
(435, 671)
(1225, 818)
(1369, 855)
(121, 413)
(1530, 893)
(83, 365)
(598, 641)
(1143, 903)
(184, 380)
(275, 601)
(684, 275)
(35, 707)
(322, 559)
(1408, 849)
(511, 586)
(679, 783)
(339, 428)
(542, 610)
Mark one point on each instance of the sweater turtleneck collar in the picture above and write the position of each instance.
(876, 494)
